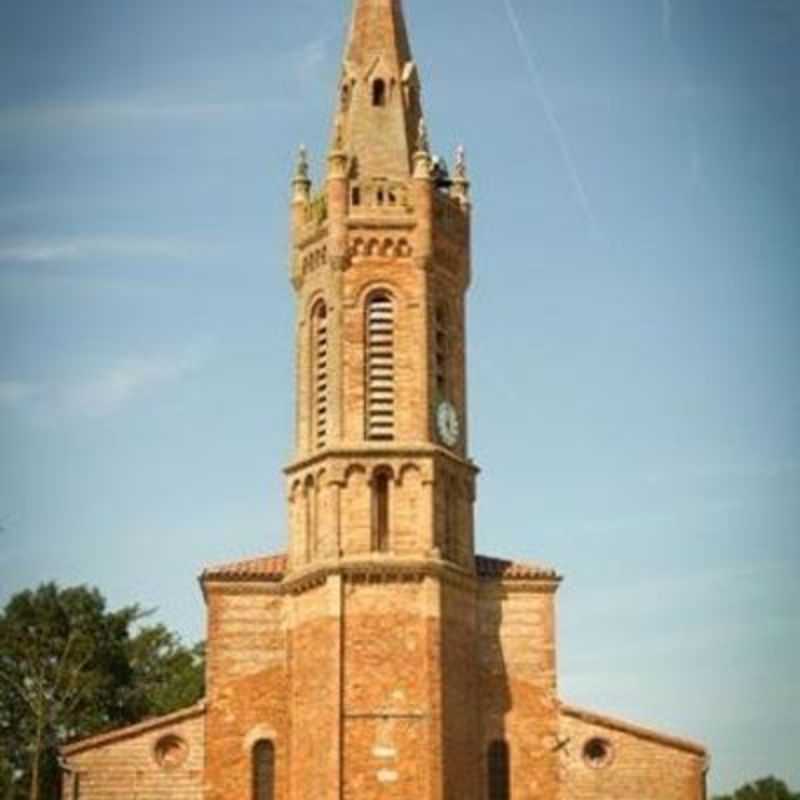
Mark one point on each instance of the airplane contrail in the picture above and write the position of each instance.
(528, 55)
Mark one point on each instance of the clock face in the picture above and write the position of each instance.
(447, 423)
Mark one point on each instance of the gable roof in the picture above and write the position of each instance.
(603, 721)
(119, 734)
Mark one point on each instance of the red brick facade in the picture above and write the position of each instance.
(380, 659)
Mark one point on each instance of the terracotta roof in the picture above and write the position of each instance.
(273, 568)
(487, 567)
(603, 721)
(133, 730)
(268, 568)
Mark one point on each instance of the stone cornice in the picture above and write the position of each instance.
(421, 450)
(376, 222)
(376, 569)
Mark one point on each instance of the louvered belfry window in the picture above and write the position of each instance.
(263, 770)
(380, 367)
(498, 766)
(319, 377)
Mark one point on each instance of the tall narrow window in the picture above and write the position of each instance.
(380, 511)
(380, 367)
(310, 502)
(498, 766)
(379, 92)
(442, 352)
(263, 770)
(319, 375)
(76, 786)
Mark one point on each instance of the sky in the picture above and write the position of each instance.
(634, 321)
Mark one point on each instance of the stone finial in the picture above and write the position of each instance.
(460, 184)
(338, 136)
(423, 145)
(460, 169)
(301, 170)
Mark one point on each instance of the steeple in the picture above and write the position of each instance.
(378, 109)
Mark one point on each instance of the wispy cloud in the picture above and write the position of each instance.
(110, 112)
(45, 250)
(100, 393)
(310, 59)
(527, 51)
(213, 97)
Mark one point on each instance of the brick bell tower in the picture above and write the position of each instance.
(381, 491)
(380, 658)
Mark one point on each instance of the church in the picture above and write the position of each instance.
(379, 657)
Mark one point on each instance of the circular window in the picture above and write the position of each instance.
(171, 751)
(598, 752)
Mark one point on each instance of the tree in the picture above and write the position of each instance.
(769, 788)
(68, 669)
(166, 674)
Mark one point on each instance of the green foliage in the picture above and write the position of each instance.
(167, 675)
(763, 789)
(70, 668)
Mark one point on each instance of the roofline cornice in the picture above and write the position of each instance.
(401, 451)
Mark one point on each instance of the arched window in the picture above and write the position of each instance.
(263, 770)
(319, 375)
(380, 511)
(380, 367)
(442, 352)
(498, 769)
(379, 92)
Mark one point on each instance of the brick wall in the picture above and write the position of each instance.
(247, 686)
(156, 760)
(638, 764)
(518, 684)
(387, 723)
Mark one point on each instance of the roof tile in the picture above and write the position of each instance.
(274, 568)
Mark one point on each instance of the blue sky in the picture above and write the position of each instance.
(634, 324)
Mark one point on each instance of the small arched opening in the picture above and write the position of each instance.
(381, 484)
(263, 770)
(499, 770)
(379, 92)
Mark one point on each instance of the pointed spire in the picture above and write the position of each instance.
(378, 109)
(378, 29)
